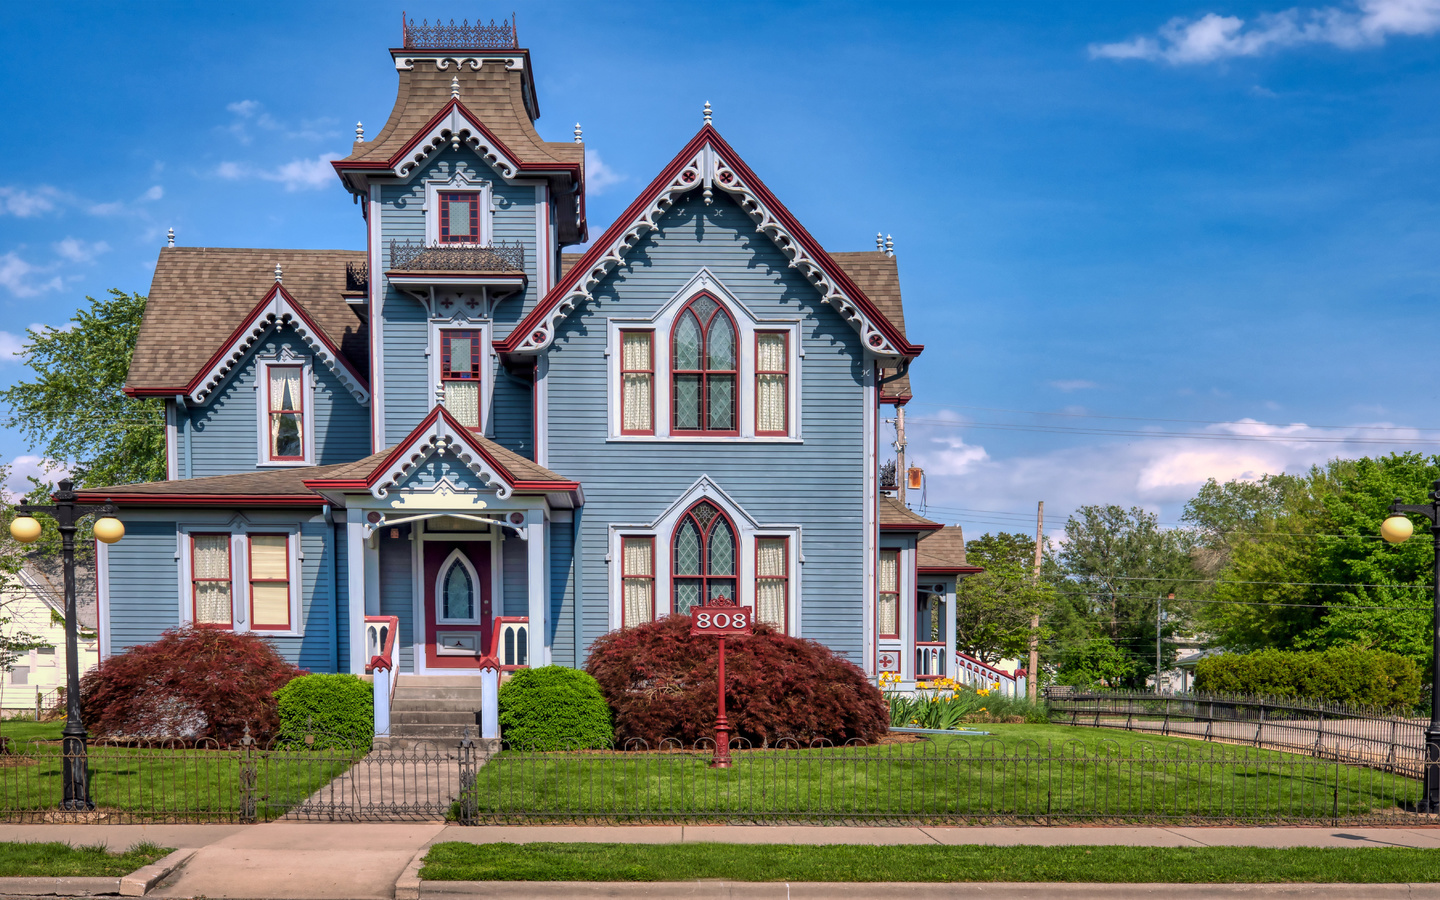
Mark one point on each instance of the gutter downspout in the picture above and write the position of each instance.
(189, 457)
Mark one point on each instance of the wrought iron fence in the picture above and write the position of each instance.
(927, 782)
(419, 256)
(309, 777)
(357, 277)
(442, 36)
(1369, 737)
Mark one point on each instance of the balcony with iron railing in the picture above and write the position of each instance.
(449, 36)
(500, 257)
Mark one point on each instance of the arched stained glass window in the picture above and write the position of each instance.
(459, 593)
(704, 557)
(703, 369)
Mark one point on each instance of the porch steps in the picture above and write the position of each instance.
(434, 707)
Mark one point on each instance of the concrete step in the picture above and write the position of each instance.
(408, 717)
(431, 732)
(402, 696)
(439, 681)
(462, 704)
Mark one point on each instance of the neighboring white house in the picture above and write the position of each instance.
(35, 605)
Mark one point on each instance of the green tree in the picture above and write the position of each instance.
(1095, 662)
(74, 410)
(993, 609)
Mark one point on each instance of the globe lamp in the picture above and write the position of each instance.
(25, 529)
(109, 529)
(1397, 529)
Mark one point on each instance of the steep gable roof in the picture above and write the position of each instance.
(878, 274)
(896, 516)
(708, 163)
(200, 296)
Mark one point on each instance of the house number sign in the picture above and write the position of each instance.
(721, 618)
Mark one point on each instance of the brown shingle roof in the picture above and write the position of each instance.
(943, 549)
(896, 516)
(878, 275)
(201, 294)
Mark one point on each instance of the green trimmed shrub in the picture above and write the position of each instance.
(1339, 675)
(554, 708)
(338, 709)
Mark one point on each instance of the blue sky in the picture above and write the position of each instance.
(1217, 214)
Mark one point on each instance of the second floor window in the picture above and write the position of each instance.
(704, 558)
(460, 218)
(210, 580)
(772, 382)
(703, 369)
(887, 610)
(637, 382)
(287, 413)
(460, 375)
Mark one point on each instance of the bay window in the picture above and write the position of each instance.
(703, 369)
(887, 608)
(772, 581)
(637, 382)
(460, 374)
(286, 413)
(210, 580)
(637, 575)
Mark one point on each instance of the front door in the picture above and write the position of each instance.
(457, 603)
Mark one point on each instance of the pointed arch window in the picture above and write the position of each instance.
(703, 557)
(703, 369)
(458, 590)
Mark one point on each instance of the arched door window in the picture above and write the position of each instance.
(704, 557)
(457, 593)
(703, 369)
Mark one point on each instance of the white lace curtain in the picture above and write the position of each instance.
(638, 388)
(639, 589)
(771, 364)
(285, 412)
(462, 398)
(770, 582)
(212, 579)
(269, 581)
(888, 608)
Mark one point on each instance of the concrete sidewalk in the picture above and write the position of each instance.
(345, 861)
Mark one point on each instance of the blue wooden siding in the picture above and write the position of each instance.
(437, 468)
(562, 593)
(818, 484)
(514, 585)
(407, 391)
(144, 584)
(397, 592)
(513, 414)
(225, 438)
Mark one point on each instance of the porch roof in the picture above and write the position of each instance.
(896, 516)
(943, 552)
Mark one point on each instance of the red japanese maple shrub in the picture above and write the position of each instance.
(192, 683)
(662, 683)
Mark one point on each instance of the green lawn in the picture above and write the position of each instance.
(1030, 772)
(456, 861)
(22, 730)
(56, 860)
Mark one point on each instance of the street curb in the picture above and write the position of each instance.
(750, 890)
(139, 882)
(408, 885)
(76, 886)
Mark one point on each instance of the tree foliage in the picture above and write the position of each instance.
(74, 411)
(993, 609)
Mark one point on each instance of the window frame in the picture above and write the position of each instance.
(228, 579)
(459, 557)
(286, 358)
(897, 593)
(783, 578)
(705, 372)
(435, 348)
(476, 235)
(785, 335)
(434, 209)
(477, 365)
(650, 371)
(626, 575)
(251, 581)
(704, 577)
(271, 413)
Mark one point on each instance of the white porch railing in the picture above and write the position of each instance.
(511, 642)
(929, 660)
(380, 634)
(971, 671)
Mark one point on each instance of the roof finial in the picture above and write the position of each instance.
(577, 134)
(169, 237)
(359, 133)
(455, 87)
(278, 274)
(707, 112)
(879, 241)
(889, 245)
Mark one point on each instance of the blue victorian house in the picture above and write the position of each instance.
(470, 443)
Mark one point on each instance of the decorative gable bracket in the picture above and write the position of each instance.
(439, 439)
(276, 310)
(456, 128)
(709, 170)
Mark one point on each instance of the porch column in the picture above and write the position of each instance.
(952, 634)
(355, 580)
(535, 581)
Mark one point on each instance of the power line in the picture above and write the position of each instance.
(1194, 435)
(1074, 415)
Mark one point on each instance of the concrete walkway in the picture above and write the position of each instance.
(317, 861)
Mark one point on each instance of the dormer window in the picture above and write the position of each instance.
(460, 374)
(460, 218)
(287, 413)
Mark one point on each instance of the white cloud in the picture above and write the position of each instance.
(79, 251)
(24, 204)
(23, 279)
(17, 485)
(1072, 384)
(244, 108)
(11, 345)
(296, 175)
(155, 193)
(599, 176)
(1214, 37)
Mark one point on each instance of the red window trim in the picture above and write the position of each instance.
(785, 429)
(650, 371)
(471, 197)
(896, 594)
(476, 372)
(705, 373)
(704, 579)
(625, 575)
(783, 578)
(229, 579)
(250, 573)
(272, 413)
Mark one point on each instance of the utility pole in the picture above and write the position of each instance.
(1159, 617)
(900, 475)
(1032, 680)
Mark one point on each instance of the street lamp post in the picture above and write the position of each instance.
(1395, 529)
(25, 529)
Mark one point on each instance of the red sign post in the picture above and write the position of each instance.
(721, 617)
